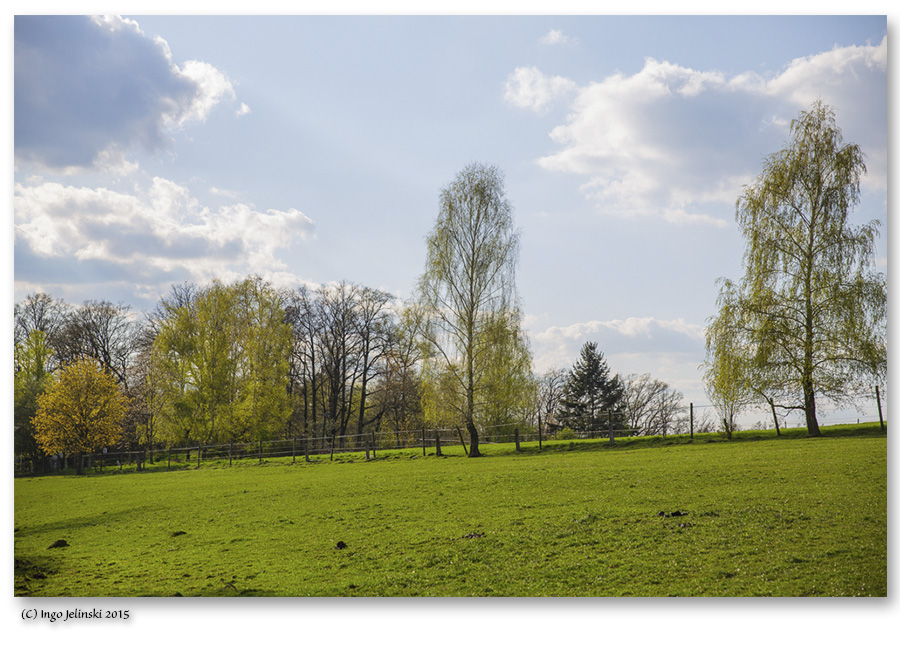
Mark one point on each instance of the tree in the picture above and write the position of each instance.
(196, 345)
(339, 356)
(375, 330)
(40, 312)
(81, 412)
(302, 315)
(102, 331)
(589, 393)
(469, 283)
(808, 319)
(511, 388)
(32, 374)
(400, 386)
(261, 404)
(551, 385)
(146, 392)
(650, 405)
(728, 379)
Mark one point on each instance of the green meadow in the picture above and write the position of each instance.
(754, 516)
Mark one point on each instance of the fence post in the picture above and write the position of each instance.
(878, 399)
(423, 442)
(612, 438)
(198, 456)
(540, 433)
(692, 420)
(169, 456)
(437, 442)
(516, 434)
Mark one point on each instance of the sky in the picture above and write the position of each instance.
(152, 150)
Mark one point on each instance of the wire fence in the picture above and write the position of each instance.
(429, 440)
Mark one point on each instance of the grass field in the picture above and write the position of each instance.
(756, 516)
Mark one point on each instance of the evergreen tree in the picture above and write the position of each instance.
(590, 392)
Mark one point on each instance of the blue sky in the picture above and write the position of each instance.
(151, 150)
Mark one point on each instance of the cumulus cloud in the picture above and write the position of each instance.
(666, 348)
(556, 37)
(676, 143)
(89, 90)
(530, 88)
(162, 234)
(634, 327)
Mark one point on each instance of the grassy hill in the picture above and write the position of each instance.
(756, 516)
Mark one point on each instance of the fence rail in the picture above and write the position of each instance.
(429, 440)
(432, 440)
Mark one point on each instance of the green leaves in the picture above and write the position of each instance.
(225, 353)
(468, 293)
(808, 318)
(81, 411)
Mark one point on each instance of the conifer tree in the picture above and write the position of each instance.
(589, 392)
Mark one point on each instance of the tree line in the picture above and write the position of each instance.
(246, 361)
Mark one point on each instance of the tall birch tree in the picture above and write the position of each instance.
(808, 319)
(468, 287)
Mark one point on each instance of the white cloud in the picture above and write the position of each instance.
(556, 37)
(88, 91)
(212, 87)
(530, 88)
(669, 349)
(163, 234)
(632, 327)
(243, 110)
(680, 216)
(833, 76)
(675, 143)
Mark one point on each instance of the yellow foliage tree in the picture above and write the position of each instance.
(81, 412)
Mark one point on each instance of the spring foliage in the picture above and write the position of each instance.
(82, 410)
(808, 319)
(468, 291)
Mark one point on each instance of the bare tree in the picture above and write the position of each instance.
(551, 388)
(302, 314)
(102, 331)
(400, 385)
(374, 328)
(40, 312)
(650, 406)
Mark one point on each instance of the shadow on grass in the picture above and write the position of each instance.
(104, 518)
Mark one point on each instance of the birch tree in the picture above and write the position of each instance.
(810, 311)
(469, 283)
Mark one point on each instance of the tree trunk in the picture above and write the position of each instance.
(473, 440)
(774, 416)
(812, 423)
